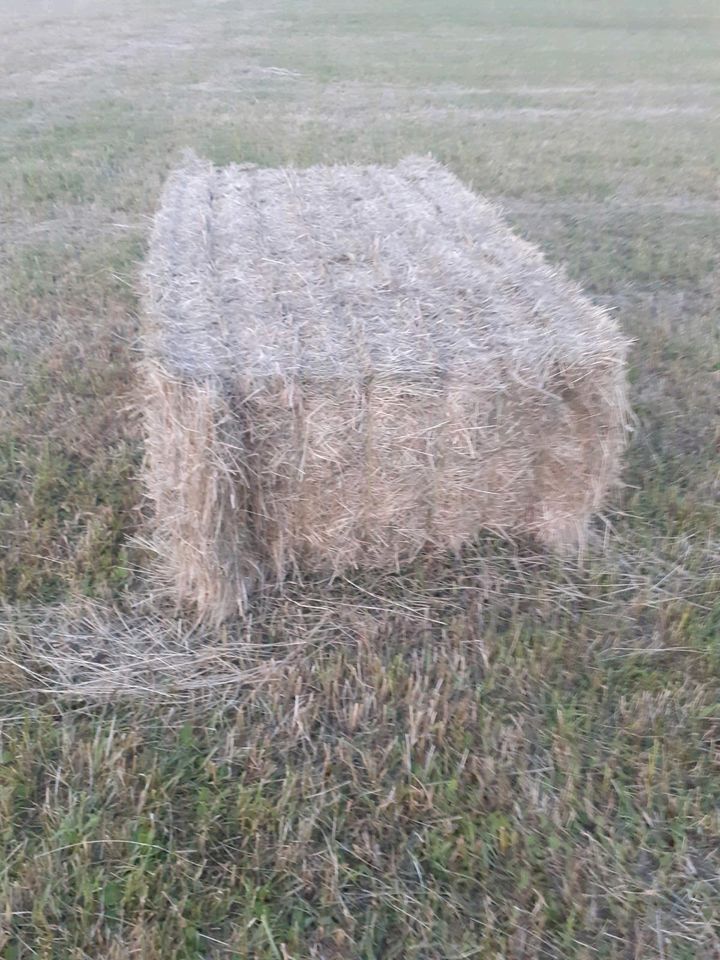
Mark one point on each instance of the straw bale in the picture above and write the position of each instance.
(349, 365)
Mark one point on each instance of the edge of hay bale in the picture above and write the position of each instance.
(193, 460)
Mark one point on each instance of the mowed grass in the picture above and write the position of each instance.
(502, 756)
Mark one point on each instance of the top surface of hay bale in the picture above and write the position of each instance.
(352, 272)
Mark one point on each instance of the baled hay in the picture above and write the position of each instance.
(348, 365)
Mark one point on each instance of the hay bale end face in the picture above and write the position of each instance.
(348, 365)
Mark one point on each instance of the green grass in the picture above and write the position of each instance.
(497, 757)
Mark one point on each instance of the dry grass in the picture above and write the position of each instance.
(86, 650)
(494, 756)
(351, 365)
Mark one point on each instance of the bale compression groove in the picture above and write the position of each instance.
(347, 365)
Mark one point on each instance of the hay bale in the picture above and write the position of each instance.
(348, 365)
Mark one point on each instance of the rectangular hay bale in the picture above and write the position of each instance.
(348, 365)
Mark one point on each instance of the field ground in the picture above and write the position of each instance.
(500, 757)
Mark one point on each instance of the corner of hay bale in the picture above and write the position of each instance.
(348, 365)
(192, 476)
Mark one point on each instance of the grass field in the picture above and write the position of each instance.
(498, 757)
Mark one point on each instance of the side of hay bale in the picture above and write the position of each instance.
(193, 476)
(347, 366)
